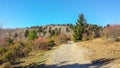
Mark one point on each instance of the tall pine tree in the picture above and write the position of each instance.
(79, 28)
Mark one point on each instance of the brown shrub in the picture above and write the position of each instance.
(90, 35)
(18, 50)
(43, 44)
(84, 37)
(40, 44)
(112, 31)
(2, 51)
(62, 38)
(118, 39)
(3, 42)
(1, 61)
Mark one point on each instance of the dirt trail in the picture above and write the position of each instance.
(69, 54)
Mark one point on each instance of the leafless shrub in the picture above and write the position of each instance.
(112, 31)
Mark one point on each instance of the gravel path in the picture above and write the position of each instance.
(69, 54)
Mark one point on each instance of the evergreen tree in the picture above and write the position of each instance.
(9, 40)
(44, 32)
(60, 30)
(15, 35)
(71, 26)
(79, 28)
(57, 32)
(50, 29)
(56, 29)
(32, 35)
(67, 29)
(52, 33)
(26, 33)
(40, 29)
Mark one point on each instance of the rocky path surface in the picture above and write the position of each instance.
(69, 56)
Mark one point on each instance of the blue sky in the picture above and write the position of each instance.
(26, 13)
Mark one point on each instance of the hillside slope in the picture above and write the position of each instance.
(42, 31)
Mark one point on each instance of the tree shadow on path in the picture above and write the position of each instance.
(95, 64)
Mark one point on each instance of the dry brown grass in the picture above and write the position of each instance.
(35, 58)
(102, 49)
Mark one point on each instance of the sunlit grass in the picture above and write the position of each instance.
(35, 58)
(102, 49)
